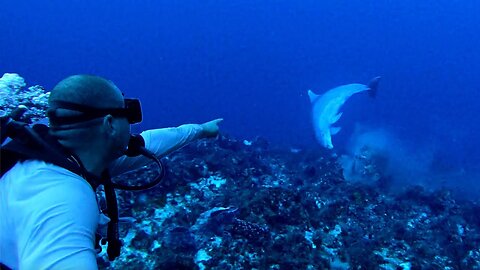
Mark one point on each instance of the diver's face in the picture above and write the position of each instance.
(120, 128)
(117, 131)
(121, 137)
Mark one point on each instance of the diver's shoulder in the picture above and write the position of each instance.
(38, 169)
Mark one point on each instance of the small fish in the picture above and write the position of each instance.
(127, 219)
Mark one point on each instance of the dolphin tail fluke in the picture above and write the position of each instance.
(312, 96)
(373, 86)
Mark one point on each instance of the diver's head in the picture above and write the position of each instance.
(87, 115)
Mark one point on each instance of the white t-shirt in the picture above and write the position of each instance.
(49, 215)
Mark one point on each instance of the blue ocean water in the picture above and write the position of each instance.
(251, 62)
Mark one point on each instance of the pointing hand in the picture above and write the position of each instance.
(210, 128)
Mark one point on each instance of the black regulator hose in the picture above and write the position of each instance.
(136, 147)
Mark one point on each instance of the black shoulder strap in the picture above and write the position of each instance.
(4, 267)
(37, 144)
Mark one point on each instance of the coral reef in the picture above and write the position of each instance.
(228, 204)
(233, 204)
(14, 93)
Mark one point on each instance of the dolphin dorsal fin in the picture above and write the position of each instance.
(312, 95)
(334, 130)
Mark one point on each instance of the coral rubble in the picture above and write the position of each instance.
(232, 205)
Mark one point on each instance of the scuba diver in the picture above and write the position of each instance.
(49, 174)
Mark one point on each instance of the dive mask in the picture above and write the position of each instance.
(132, 111)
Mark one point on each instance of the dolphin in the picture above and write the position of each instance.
(325, 108)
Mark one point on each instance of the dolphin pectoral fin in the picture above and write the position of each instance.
(334, 130)
(373, 86)
(336, 117)
(312, 96)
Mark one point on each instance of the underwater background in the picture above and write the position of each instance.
(252, 62)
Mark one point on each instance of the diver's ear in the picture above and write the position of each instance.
(108, 126)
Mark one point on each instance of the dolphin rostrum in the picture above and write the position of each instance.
(325, 108)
